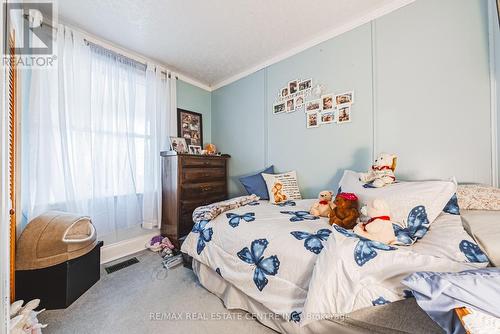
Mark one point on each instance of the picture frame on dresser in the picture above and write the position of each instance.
(190, 127)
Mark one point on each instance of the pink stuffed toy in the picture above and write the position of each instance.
(159, 243)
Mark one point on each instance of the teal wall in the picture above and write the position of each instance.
(195, 99)
(421, 82)
(240, 123)
(432, 86)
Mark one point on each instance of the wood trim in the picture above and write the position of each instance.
(462, 312)
(12, 138)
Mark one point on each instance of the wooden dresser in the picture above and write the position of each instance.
(189, 181)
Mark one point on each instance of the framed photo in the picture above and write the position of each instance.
(344, 114)
(279, 108)
(195, 149)
(284, 92)
(299, 101)
(327, 102)
(190, 127)
(312, 119)
(498, 11)
(290, 105)
(178, 145)
(313, 105)
(345, 98)
(327, 117)
(305, 84)
(293, 87)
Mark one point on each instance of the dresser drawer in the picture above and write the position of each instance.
(203, 191)
(190, 175)
(193, 162)
(188, 182)
(187, 207)
(185, 225)
(186, 212)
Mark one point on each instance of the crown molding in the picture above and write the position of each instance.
(381, 11)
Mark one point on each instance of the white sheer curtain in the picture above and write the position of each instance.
(160, 96)
(95, 128)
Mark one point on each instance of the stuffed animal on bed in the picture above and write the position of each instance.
(379, 226)
(382, 172)
(277, 193)
(322, 207)
(345, 211)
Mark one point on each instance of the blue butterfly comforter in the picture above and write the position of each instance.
(300, 267)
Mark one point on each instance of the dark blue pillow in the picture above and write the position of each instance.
(255, 184)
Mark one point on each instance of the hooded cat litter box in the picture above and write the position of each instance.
(57, 259)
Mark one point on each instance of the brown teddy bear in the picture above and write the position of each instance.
(278, 194)
(345, 212)
(322, 207)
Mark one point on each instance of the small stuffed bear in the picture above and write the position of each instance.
(379, 226)
(322, 207)
(345, 211)
(277, 193)
(382, 172)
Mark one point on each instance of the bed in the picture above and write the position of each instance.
(297, 274)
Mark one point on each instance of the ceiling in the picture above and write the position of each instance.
(216, 41)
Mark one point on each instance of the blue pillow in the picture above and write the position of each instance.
(255, 184)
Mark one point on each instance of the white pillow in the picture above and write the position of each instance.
(414, 205)
(282, 187)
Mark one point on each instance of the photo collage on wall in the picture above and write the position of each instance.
(292, 97)
(324, 109)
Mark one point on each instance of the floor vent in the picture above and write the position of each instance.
(121, 265)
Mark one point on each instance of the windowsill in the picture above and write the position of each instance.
(126, 234)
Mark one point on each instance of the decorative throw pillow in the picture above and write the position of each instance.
(255, 184)
(282, 187)
(478, 197)
(413, 205)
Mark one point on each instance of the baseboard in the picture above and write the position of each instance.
(126, 247)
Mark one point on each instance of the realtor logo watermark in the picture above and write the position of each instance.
(31, 25)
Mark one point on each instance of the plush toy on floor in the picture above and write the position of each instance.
(23, 320)
(159, 243)
(322, 207)
(379, 226)
(345, 211)
(382, 172)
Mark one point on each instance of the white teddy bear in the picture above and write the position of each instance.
(379, 226)
(382, 172)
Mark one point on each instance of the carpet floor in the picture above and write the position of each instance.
(144, 298)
